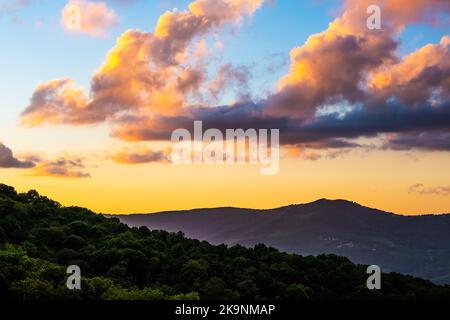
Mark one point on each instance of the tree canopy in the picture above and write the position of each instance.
(39, 239)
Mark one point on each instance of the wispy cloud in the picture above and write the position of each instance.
(61, 168)
(145, 155)
(12, 8)
(423, 190)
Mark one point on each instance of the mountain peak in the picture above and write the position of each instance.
(327, 202)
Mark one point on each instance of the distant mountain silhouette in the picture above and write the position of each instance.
(416, 245)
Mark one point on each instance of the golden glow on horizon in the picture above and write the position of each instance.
(375, 180)
(150, 78)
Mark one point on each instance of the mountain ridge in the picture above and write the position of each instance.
(265, 210)
(417, 245)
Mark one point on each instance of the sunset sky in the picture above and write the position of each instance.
(86, 113)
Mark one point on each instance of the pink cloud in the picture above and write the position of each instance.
(92, 18)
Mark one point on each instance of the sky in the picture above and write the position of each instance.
(89, 102)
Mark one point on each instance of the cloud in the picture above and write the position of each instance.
(312, 155)
(230, 75)
(317, 152)
(145, 73)
(92, 18)
(61, 168)
(344, 83)
(7, 159)
(160, 127)
(337, 153)
(333, 66)
(327, 70)
(56, 101)
(423, 141)
(331, 143)
(325, 131)
(423, 190)
(417, 77)
(127, 156)
(371, 121)
(11, 8)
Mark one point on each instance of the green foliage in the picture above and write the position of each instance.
(39, 239)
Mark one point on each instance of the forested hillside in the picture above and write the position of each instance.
(415, 245)
(39, 238)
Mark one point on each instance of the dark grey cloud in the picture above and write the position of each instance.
(7, 159)
(424, 126)
(439, 140)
